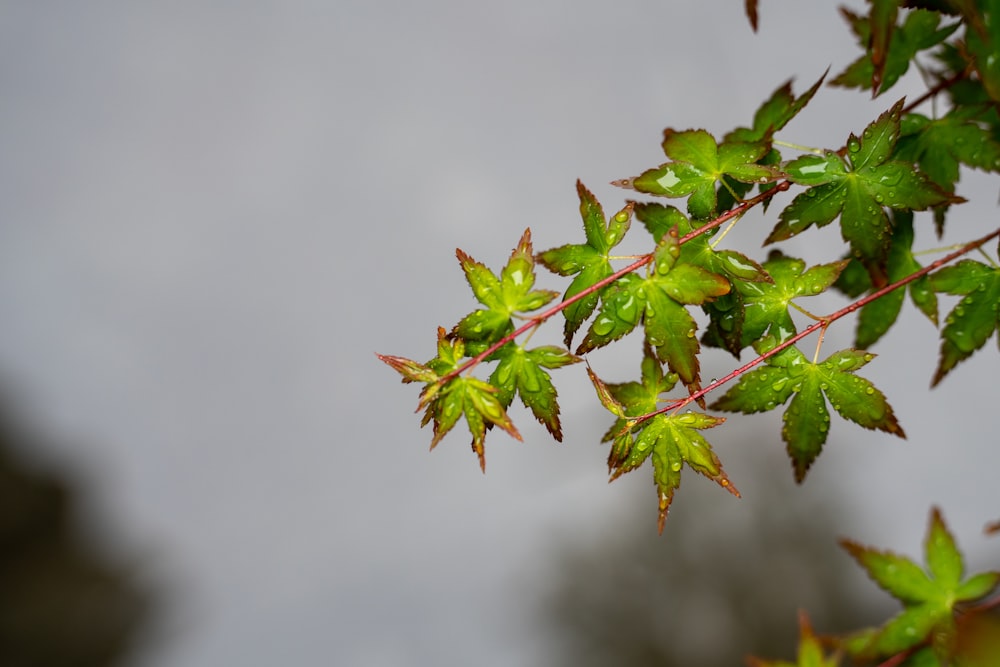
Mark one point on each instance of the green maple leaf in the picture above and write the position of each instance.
(444, 403)
(589, 261)
(522, 371)
(810, 654)
(806, 421)
(940, 145)
(762, 307)
(658, 301)
(698, 251)
(929, 597)
(889, 49)
(504, 297)
(628, 400)
(876, 317)
(699, 162)
(671, 441)
(857, 189)
(972, 321)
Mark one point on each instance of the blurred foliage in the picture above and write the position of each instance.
(62, 602)
(719, 584)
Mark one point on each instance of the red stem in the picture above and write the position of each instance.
(944, 84)
(822, 324)
(635, 266)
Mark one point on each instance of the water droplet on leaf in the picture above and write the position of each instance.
(603, 326)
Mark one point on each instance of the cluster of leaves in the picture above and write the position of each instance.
(871, 186)
(946, 617)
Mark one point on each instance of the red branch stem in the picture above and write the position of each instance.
(822, 324)
(634, 266)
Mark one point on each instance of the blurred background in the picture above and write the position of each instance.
(213, 214)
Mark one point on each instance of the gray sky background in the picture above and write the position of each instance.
(214, 213)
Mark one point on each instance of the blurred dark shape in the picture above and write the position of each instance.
(61, 603)
(725, 580)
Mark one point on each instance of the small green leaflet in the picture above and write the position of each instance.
(656, 301)
(589, 260)
(811, 653)
(972, 321)
(929, 597)
(444, 404)
(503, 297)
(806, 421)
(774, 114)
(889, 48)
(762, 307)
(699, 162)
(522, 371)
(876, 317)
(857, 188)
(669, 440)
(659, 220)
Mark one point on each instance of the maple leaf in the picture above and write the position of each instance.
(940, 145)
(929, 597)
(522, 371)
(658, 301)
(759, 307)
(699, 162)
(444, 403)
(806, 421)
(889, 48)
(972, 321)
(504, 296)
(670, 441)
(857, 188)
(588, 260)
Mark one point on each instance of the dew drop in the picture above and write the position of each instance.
(603, 326)
(779, 384)
(628, 310)
(621, 216)
(675, 466)
(870, 390)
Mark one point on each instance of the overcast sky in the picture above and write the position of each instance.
(213, 214)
